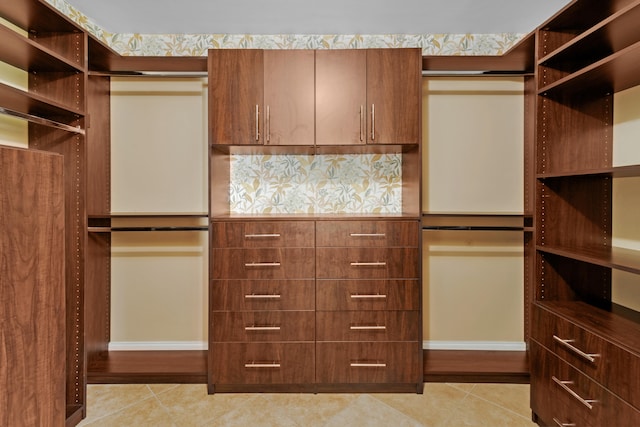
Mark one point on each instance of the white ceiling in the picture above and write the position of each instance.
(318, 17)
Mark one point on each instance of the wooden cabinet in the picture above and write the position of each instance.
(368, 331)
(306, 97)
(52, 51)
(585, 345)
(262, 322)
(261, 97)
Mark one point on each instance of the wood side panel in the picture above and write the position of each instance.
(341, 96)
(289, 97)
(99, 146)
(32, 289)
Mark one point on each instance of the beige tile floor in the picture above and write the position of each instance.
(177, 405)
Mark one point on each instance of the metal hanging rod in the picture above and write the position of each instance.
(471, 228)
(163, 228)
(42, 121)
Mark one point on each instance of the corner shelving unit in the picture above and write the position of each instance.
(53, 51)
(586, 53)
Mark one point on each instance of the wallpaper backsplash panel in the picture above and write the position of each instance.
(198, 44)
(316, 184)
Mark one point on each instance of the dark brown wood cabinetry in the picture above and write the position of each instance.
(584, 344)
(316, 302)
(263, 97)
(53, 51)
(306, 97)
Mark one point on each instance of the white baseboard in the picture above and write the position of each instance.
(156, 345)
(475, 345)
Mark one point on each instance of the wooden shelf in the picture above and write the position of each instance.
(614, 172)
(149, 367)
(618, 258)
(34, 104)
(28, 55)
(476, 366)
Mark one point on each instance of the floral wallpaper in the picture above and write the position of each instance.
(316, 184)
(198, 44)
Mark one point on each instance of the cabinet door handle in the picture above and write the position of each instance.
(565, 387)
(576, 350)
(362, 125)
(262, 264)
(262, 365)
(367, 234)
(368, 296)
(373, 122)
(268, 129)
(261, 235)
(368, 264)
(257, 122)
(561, 424)
(262, 328)
(367, 365)
(262, 296)
(368, 328)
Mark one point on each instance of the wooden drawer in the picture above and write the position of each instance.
(368, 233)
(368, 362)
(612, 366)
(561, 395)
(246, 295)
(368, 294)
(262, 234)
(261, 363)
(262, 326)
(267, 263)
(367, 263)
(367, 326)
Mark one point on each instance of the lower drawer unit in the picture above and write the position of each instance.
(367, 362)
(612, 366)
(261, 363)
(367, 326)
(563, 396)
(262, 326)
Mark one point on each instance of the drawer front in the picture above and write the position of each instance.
(367, 263)
(608, 364)
(561, 395)
(368, 295)
(263, 234)
(368, 233)
(247, 295)
(263, 363)
(262, 326)
(367, 326)
(368, 362)
(268, 263)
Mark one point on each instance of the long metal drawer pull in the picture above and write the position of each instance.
(257, 123)
(262, 296)
(268, 132)
(373, 122)
(262, 264)
(362, 126)
(262, 328)
(565, 387)
(262, 365)
(369, 264)
(576, 350)
(367, 234)
(368, 365)
(561, 424)
(262, 235)
(368, 296)
(368, 327)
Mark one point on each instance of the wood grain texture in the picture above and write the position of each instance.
(247, 295)
(32, 297)
(365, 295)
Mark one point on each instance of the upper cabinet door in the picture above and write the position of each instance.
(289, 97)
(393, 96)
(341, 97)
(236, 96)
